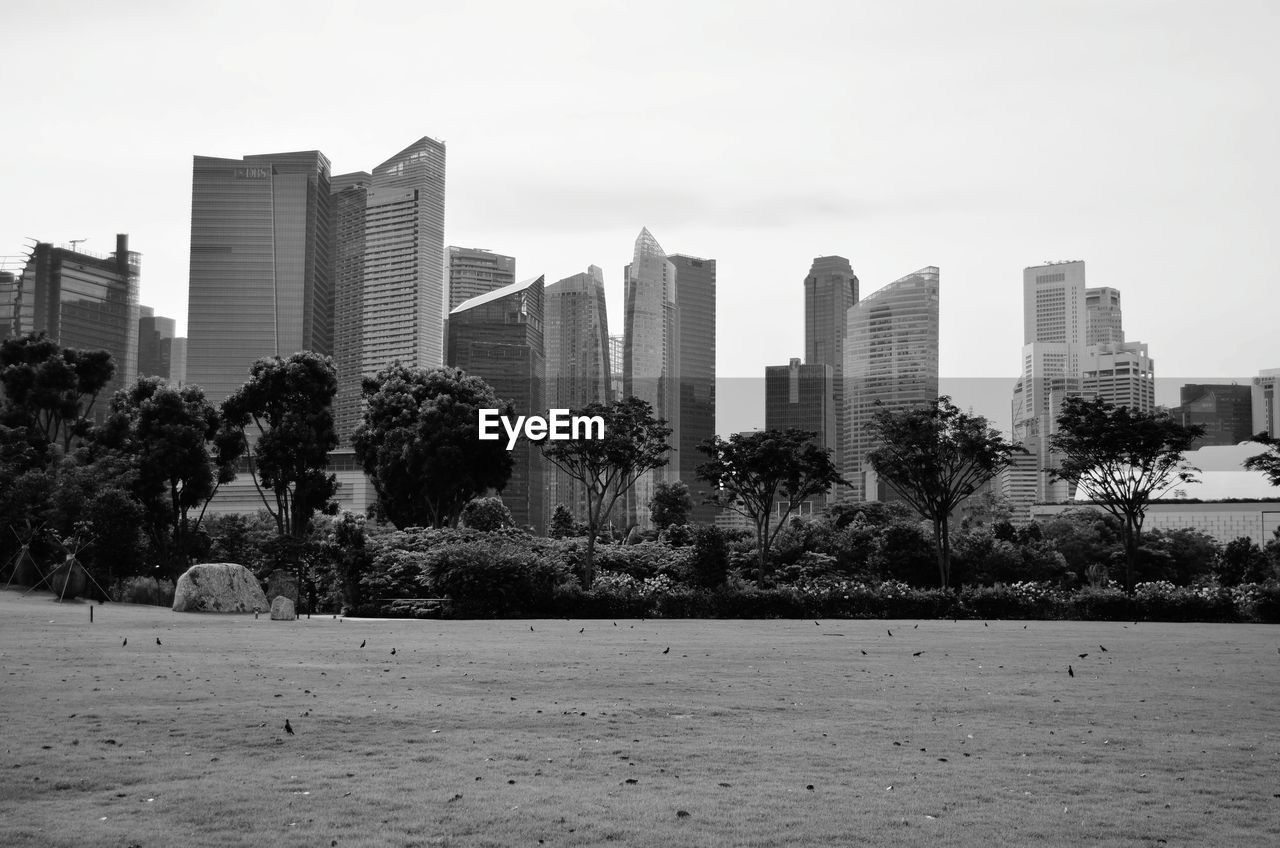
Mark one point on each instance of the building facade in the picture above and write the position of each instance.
(890, 362)
(651, 357)
(830, 289)
(261, 270)
(801, 396)
(1121, 374)
(81, 300)
(474, 271)
(696, 306)
(499, 337)
(1265, 396)
(348, 195)
(1104, 322)
(576, 333)
(1225, 411)
(155, 344)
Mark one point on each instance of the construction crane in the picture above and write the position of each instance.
(74, 242)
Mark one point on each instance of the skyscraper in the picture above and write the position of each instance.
(829, 290)
(261, 269)
(801, 396)
(498, 336)
(404, 297)
(890, 362)
(616, 355)
(155, 344)
(474, 271)
(696, 306)
(1224, 411)
(349, 195)
(1103, 318)
(1121, 373)
(1265, 399)
(651, 357)
(578, 369)
(83, 301)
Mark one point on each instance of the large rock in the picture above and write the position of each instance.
(282, 582)
(69, 580)
(218, 587)
(282, 609)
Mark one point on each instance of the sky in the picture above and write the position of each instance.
(980, 137)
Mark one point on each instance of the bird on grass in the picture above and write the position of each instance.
(1082, 656)
(363, 642)
(581, 629)
(530, 628)
(864, 653)
(917, 653)
(288, 728)
(1102, 647)
(157, 640)
(887, 630)
(125, 642)
(1071, 671)
(393, 652)
(667, 650)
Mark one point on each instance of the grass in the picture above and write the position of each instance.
(483, 733)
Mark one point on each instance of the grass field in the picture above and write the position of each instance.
(766, 733)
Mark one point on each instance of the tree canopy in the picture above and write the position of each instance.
(670, 504)
(1269, 461)
(935, 456)
(1123, 459)
(634, 442)
(761, 473)
(49, 390)
(419, 444)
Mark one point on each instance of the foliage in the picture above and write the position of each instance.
(1267, 462)
(1084, 537)
(289, 402)
(903, 552)
(495, 576)
(168, 432)
(1122, 458)
(418, 443)
(241, 539)
(634, 442)
(935, 456)
(49, 391)
(709, 563)
(670, 504)
(645, 560)
(487, 514)
(1242, 561)
(143, 590)
(562, 523)
(758, 473)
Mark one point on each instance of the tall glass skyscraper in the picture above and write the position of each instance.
(696, 306)
(261, 270)
(829, 290)
(651, 357)
(404, 289)
(349, 194)
(578, 369)
(474, 271)
(890, 362)
(499, 337)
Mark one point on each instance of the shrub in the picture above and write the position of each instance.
(494, 577)
(1015, 600)
(487, 514)
(143, 590)
(646, 559)
(1102, 603)
(709, 562)
(1162, 601)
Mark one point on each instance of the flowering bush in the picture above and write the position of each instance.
(1013, 600)
(1160, 600)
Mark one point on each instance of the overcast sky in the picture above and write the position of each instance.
(981, 137)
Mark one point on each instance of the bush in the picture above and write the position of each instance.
(1162, 601)
(1264, 602)
(495, 577)
(646, 559)
(710, 560)
(1099, 604)
(1016, 600)
(143, 590)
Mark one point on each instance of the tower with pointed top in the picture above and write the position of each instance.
(829, 290)
(651, 356)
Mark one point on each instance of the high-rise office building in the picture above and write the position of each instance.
(829, 290)
(404, 287)
(616, 348)
(1122, 374)
(155, 344)
(651, 357)
(1265, 396)
(576, 332)
(474, 271)
(801, 396)
(1224, 411)
(1103, 318)
(499, 337)
(81, 300)
(890, 362)
(348, 195)
(178, 361)
(696, 306)
(261, 269)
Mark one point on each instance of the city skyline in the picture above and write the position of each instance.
(1150, 161)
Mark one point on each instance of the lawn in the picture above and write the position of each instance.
(746, 733)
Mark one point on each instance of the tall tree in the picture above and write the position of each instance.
(170, 433)
(765, 472)
(49, 390)
(418, 443)
(935, 456)
(1123, 459)
(1267, 462)
(634, 442)
(287, 407)
(670, 504)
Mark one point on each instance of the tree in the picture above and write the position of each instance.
(634, 442)
(934, 457)
(751, 472)
(487, 514)
(1267, 462)
(418, 443)
(289, 403)
(670, 504)
(49, 390)
(561, 523)
(169, 432)
(1123, 458)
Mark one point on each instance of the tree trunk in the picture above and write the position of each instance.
(1130, 554)
(942, 538)
(761, 547)
(589, 561)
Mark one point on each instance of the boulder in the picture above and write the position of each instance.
(282, 582)
(69, 580)
(282, 609)
(218, 587)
